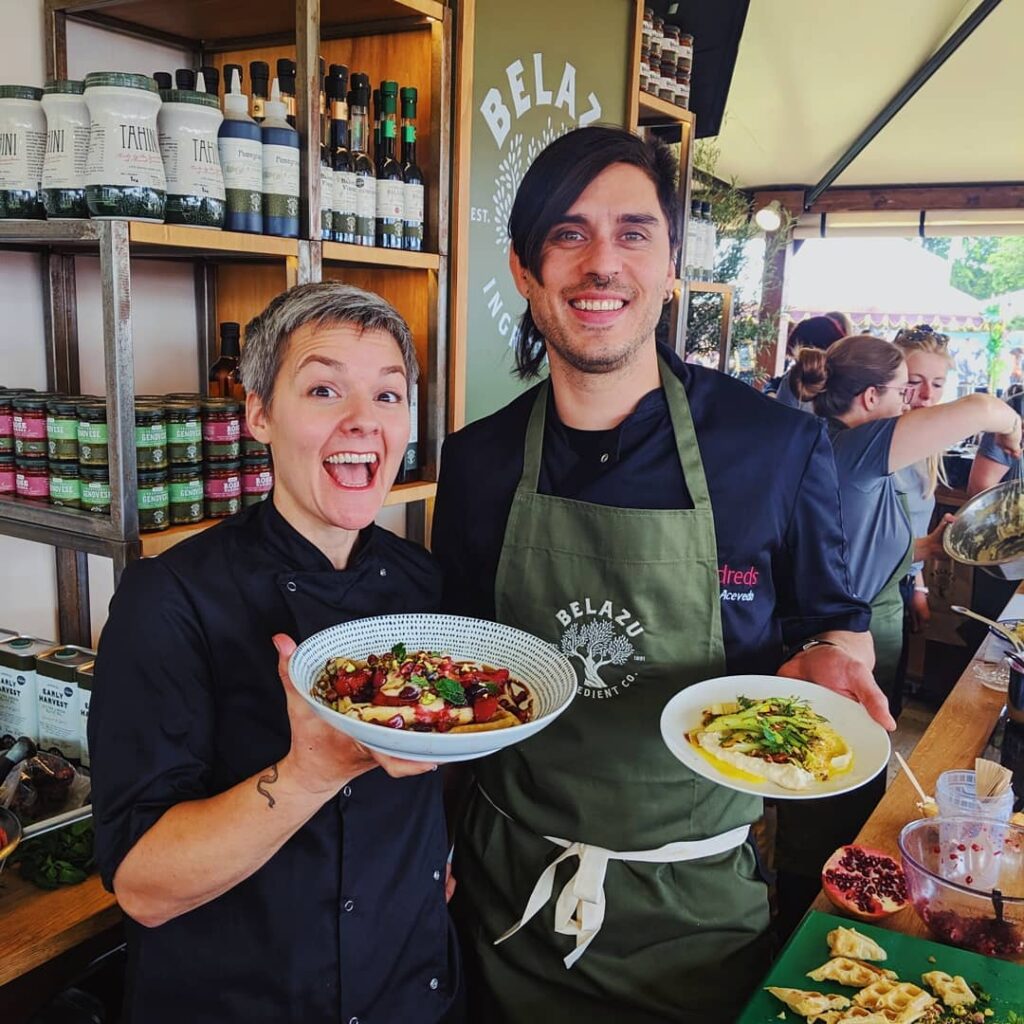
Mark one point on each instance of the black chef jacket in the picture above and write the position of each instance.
(781, 549)
(347, 922)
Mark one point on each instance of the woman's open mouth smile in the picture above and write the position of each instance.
(354, 471)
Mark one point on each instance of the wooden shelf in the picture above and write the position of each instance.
(154, 544)
(710, 286)
(370, 256)
(226, 24)
(188, 241)
(655, 111)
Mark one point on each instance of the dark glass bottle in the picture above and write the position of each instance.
(376, 125)
(224, 380)
(390, 180)
(185, 78)
(163, 80)
(286, 83)
(211, 80)
(413, 220)
(343, 204)
(259, 76)
(362, 165)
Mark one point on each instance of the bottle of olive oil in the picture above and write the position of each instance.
(259, 77)
(413, 219)
(286, 80)
(224, 380)
(390, 181)
(344, 192)
(362, 165)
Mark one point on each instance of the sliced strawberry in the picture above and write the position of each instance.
(485, 708)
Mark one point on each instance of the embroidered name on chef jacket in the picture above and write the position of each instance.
(604, 642)
(738, 584)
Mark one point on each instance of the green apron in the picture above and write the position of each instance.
(632, 597)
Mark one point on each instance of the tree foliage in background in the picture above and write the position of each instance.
(971, 272)
(939, 246)
(994, 347)
(1007, 265)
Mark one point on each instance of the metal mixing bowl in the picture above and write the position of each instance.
(976, 528)
(11, 828)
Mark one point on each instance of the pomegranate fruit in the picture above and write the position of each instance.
(866, 883)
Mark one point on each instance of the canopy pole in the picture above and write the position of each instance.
(896, 104)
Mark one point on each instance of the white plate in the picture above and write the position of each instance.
(545, 670)
(865, 737)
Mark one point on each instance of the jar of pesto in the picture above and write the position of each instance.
(153, 500)
(95, 488)
(28, 421)
(186, 494)
(92, 433)
(62, 429)
(184, 432)
(150, 437)
(65, 484)
(124, 173)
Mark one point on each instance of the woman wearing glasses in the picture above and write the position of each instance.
(861, 386)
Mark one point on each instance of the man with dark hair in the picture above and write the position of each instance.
(662, 524)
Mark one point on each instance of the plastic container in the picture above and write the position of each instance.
(32, 479)
(67, 150)
(28, 415)
(22, 149)
(153, 501)
(957, 798)
(92, 433)
(222, 489)
(125, 172)
(280, 170)
(185, 490)
(62, 429)
(241, 159)
(187, 127)
(65, 484)
(951, 877)
(95, 486)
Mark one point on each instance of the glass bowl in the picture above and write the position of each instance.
(10, 828)
(965, 879)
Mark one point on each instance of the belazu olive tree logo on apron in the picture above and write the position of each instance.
(602, 641)
(539, 70)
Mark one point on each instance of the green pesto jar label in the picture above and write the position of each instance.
(153, 496)
(95, 496)
(92, 433)
(185, 432)
(187, 492)
(61, 429)
(152, 435)
(65, 490)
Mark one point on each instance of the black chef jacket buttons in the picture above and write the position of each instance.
(346, 791)
(437, 876)
(434, 983)
(291, 586)
(383, 571)
(353, 1020)
(604, 457)
(349, 906)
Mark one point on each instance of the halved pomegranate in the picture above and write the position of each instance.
(866, 883)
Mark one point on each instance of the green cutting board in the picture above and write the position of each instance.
(807, 949)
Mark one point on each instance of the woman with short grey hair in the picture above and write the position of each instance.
(267, 867)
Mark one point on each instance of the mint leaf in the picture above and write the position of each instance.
(451, 691)
(399, 651)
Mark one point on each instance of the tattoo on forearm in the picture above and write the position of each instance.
(267, 779)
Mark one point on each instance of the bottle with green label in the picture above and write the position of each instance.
(362, 166)
(343, 214)
(390, 181)
(280, 169)
(413, 221)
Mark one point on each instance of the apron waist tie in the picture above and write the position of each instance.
(580, 907)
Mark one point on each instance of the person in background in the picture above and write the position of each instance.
(861, 387)
(271, 868)
(815, 332)
(928, 363)
(992, 465)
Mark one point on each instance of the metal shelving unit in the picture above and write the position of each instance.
(209, 29)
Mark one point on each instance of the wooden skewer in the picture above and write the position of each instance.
(912, 777)
(990, 779)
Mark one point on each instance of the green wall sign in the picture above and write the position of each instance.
(540, 69)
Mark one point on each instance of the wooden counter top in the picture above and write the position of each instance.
(957, 734)
(37, 925)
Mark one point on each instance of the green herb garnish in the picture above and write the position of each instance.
(61, 857)
(451, 691)
(399, 652)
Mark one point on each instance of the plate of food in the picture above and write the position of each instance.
(434, 688)
(774, 737)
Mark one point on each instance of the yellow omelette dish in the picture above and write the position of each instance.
(778, 739)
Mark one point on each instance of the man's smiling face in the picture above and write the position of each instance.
(606, 268)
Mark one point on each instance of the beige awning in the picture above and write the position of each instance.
(811, 74)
